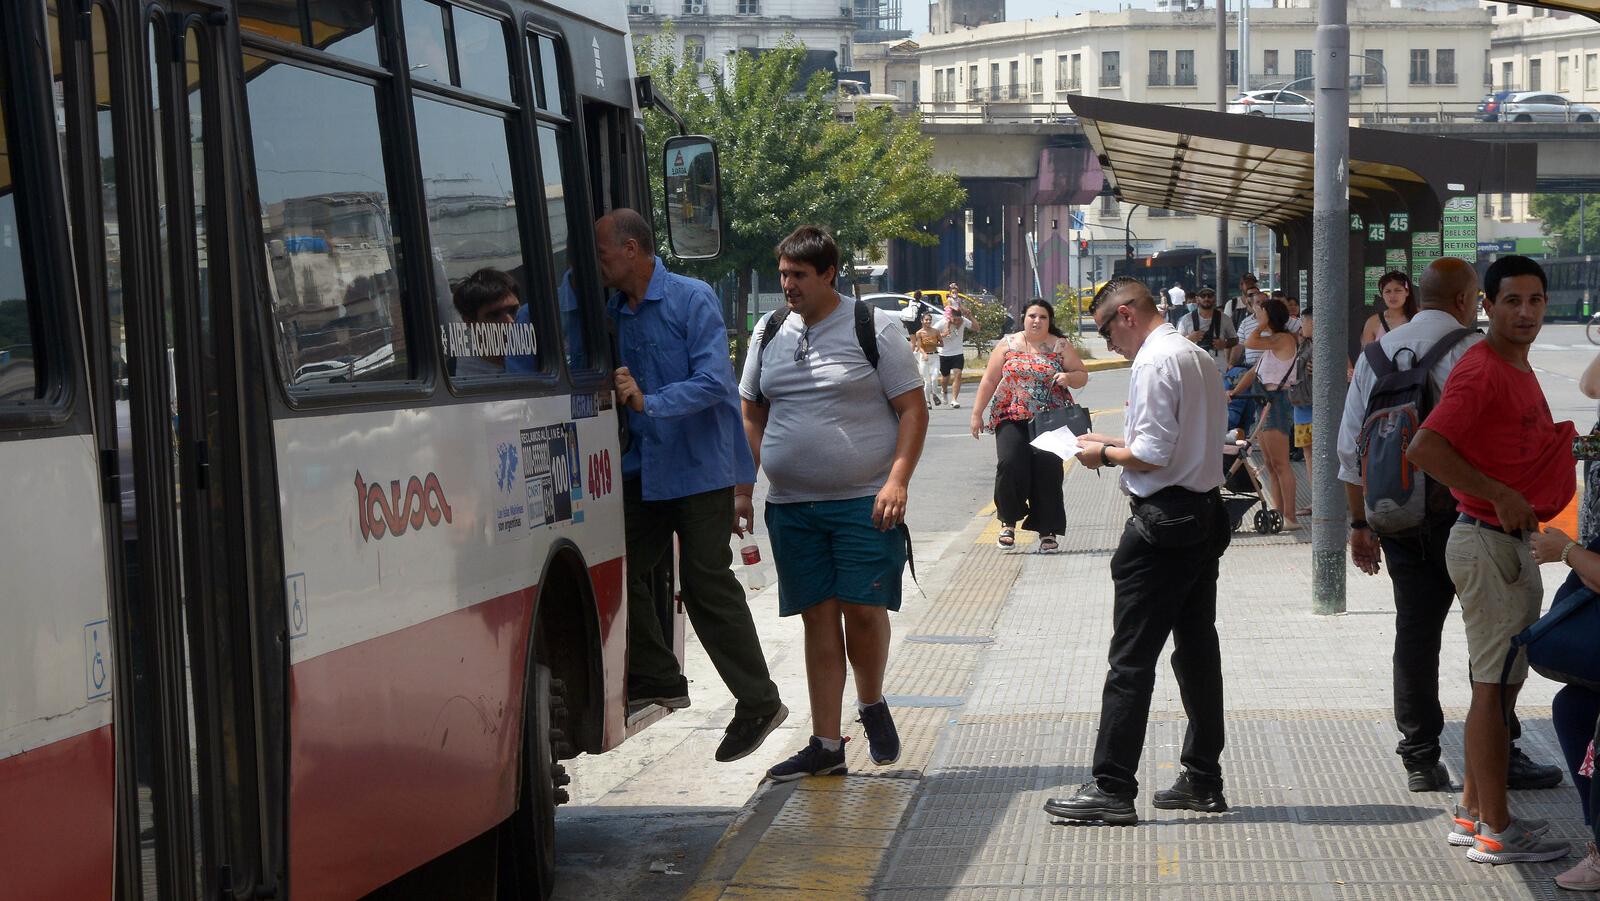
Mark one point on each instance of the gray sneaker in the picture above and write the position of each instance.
(1464, 830)
(1515, 844)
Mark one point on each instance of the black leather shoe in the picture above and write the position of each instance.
(671, 695)
(746, 734)
(1428, 777)
(1092, 805)
(1522, 773)
(1186, 794)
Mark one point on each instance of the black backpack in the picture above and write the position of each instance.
(1400, 498)
(1213, 331)
(866, 335)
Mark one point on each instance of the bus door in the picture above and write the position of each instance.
(144, 133)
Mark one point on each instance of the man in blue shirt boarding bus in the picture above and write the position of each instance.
(684, 458)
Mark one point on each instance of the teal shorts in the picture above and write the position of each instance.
(831, 549)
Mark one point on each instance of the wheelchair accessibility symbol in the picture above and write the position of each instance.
(299, 614)
(96, 657)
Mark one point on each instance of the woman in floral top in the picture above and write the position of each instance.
(1028, 371)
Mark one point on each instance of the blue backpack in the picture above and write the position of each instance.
(1561, 645)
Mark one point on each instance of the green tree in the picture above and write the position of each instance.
(787, 160)
(1562, 215)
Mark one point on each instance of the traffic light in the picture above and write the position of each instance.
(1083, 247)
(1127, 250)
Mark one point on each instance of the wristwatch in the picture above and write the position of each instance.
(1104, 460)
(1357, 524)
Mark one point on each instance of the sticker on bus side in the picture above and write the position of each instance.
(508, 497)
(299, 610)
(96, 660)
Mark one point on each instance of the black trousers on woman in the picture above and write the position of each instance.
(1027, 482)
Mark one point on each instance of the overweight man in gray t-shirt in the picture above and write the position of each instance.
(840, 439)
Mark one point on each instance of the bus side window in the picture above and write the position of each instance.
(21, 365)
(565, 212)
(331, 246)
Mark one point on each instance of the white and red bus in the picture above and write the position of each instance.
(307, 580)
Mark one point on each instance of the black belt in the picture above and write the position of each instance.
(1474, 521)
(1175, 489)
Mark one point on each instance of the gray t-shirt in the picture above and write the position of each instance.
(830, 432)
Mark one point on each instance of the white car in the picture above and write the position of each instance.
(1535, 106)
(1275, 103)
(854, 95)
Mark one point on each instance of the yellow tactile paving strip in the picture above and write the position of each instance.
(828, 836)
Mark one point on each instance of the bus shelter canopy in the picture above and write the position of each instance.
(1260, 169)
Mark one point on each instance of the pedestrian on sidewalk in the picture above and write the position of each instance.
(685, 473)
(1274, 373)
(925, 346)
(1028, 372)
(833, 407)
(1575, 710)
(1165, 568)
(953, 350)
(1396, 302)
(1209, 328)
(1509, 465)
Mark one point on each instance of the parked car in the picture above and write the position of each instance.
(1534, 106)
(855, 95)
(1275, 103)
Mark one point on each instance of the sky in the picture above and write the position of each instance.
(914, 13)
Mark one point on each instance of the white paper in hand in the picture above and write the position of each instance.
(1061, 442)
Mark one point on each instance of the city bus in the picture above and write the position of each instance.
(311, 578)
(1191, 267)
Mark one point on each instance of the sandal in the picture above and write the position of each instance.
(1047, 544)
(1007, 539)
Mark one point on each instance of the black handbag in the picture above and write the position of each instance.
(1072, 416)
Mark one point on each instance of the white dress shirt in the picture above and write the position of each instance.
(1421, 333)
(1176, 413)
(1177, 297)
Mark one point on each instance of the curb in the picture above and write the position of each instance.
(1093, 365)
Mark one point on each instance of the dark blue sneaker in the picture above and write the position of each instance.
(882, 740)
(812, 760)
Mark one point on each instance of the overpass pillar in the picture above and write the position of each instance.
(987, 246)
(1019, 266)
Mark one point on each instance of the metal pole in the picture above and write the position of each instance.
(1330, 272)
(1244, 46)
(1222, 107)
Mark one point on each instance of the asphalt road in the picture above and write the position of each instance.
(660, 800)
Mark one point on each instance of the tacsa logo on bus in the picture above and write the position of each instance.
(380, 514)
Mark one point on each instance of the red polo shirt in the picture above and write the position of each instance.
(1496, 417)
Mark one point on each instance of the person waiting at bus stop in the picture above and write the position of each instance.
(840, 433)
(679, 476)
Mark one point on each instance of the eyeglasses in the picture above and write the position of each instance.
(804, 347)
(1105, 330)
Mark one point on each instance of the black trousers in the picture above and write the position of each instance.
(1161, 592)
(1423, 593)
(712, 595)
(1027, 481)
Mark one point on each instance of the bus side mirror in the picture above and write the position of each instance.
(693, 182)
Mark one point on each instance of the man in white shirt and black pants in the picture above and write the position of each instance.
(1165, 568)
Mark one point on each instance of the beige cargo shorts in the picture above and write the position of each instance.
(1501, 593)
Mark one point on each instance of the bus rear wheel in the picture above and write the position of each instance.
(527, 846)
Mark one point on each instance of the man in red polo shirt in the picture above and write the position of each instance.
(1509, 464)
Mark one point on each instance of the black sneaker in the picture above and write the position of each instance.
(1188, 794)
(1428, 777)
(1522, 773)
(883, 742)
(745, 734)
(811, 760)
(671, 695)
(1092, 805)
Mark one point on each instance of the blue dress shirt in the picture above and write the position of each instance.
(690, 437)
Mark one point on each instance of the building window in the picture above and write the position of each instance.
(1505, 206)
(1488, 70)
(1374, 65)
(1511, 9)
(694, 47)
(916, 91)
(1154, 213)
(1158, 68)
(898, 88)
(1493, 10)
(1185, 71)
(1269, 62)
(1535, 75)
(994, 81)
(1591, 72)
(1108, 205)
(1233, 67)
(694, 7)
(1036, 79)
(1077, 71)
(973, 91)
(749, 7)
(1110, 69)
(1063, 73)
(1505, 76)
(1562, 83)
(1419, 67)
(1302, 64)
(1444, 66)
(1014, 86)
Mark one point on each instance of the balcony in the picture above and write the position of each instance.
(1069, 85)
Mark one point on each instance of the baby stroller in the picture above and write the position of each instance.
(1241, 484)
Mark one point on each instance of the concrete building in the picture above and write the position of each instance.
(878, 21)
(711, 29)
(893, 68)
(1415, 63)
(1537, 49)
(946, 16)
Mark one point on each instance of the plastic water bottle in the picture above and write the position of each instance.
(755, 577)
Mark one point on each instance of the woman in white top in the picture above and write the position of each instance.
(925, 344)
(1275, 372)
